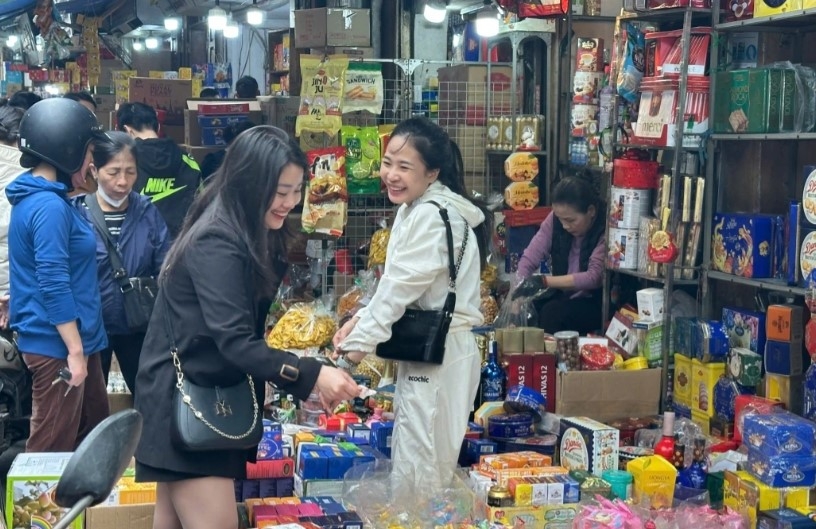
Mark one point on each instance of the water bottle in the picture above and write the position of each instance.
(493, 385)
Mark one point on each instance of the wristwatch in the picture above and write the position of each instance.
(344, 363)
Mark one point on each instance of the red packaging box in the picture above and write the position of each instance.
(544, 376)
(750, 404)
(277, 468)
(519, 370)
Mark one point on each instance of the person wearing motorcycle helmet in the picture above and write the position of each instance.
(55, 305)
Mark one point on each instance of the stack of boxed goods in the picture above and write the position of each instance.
(785, 356)
(306, 512)
(591, 103)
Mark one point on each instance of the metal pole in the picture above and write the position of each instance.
(74, 512)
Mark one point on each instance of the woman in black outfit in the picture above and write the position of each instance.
(217, 279)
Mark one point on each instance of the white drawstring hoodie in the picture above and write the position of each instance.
(432, 402)
(9, 170)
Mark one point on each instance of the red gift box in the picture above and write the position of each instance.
(751, 404)
(519, 370)
(543, 378)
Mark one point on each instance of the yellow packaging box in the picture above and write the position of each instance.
(503, 476)
(654, 479)
(544, 516)
(701, 419)
(682, 380)
(703, 379)
(788, 390)
(731, 483)
(755, 496)
(762, 9)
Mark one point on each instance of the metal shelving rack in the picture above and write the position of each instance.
(529, 104)
(690, 17)
(798, 20)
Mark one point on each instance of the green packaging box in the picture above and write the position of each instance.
(32, 480)
(752, 101)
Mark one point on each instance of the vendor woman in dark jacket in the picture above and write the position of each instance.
(138, 230)
(573, 237)
(220, 273)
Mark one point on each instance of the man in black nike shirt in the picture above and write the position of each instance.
(166, 175)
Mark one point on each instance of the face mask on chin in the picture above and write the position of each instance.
(109, 200)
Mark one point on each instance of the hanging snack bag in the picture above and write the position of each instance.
(378, 248)
(634, 60)
(321, 92)
(363, 88)
(324, 209)
(385, 136)
(362, 158)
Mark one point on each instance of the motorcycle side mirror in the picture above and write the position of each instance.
(97, 464)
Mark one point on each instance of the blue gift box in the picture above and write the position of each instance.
(271, 445)
(340, 461)
(784, 519)
(745, 328)
(779, 434)
(350, 520)
(381, 433)
(359, 431)
(784, 358)
(285, 487)
(741, 245)
(313, 464)
(782, 471)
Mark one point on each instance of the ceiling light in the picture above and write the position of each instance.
(231, 30)
(254, 15)
(11, 41)
(137, 45)
(151, 43)
(171, 24)
(217, 17)
(487, 23)
(434, 11)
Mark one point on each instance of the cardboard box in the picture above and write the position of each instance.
(120, 517)
(353, 53)
(319, 28)
(281, 112)
(588, 445)
(784, 358)
(784, 323)
(33, 478)
(544, 379)
(650, 304)
(741, 245)
(193, 129)
(682, 380)
(198, 152)
(471, 141)
(167, 95)
(601, 394)
(787, 390)
(703, 379)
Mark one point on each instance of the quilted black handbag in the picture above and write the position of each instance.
(419, 336)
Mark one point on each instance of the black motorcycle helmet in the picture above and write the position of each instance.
(58, 132)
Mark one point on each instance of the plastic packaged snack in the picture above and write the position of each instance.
(378, 248)
(324, 209)
(363, 88)
(349, 303)
(321, 92)
(303, 326)
(362, 158)
(631, 71)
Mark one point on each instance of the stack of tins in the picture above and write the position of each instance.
(634, 177)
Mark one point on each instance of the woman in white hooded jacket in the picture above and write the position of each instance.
(421, 164)
(9, 170)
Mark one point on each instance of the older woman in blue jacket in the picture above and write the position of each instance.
(137, 229)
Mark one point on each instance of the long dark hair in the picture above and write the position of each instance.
(439, 152)
(107, 148)
(240, 193)
(579, 193)
(10, 118)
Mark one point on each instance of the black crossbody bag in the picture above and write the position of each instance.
(419, 336)
(139, 293)
(208, 419)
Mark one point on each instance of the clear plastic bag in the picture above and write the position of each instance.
(304, 326)
(519, 312)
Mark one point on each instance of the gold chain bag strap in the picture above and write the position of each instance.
(208, 419)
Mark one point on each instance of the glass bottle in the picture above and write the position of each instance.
(665, 446)
(695, 475)
(493, 384)
(679, 457)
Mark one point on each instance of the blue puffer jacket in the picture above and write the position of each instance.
(143, 243)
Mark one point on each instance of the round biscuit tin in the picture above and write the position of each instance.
(628, 206)
(509, 426)
(622, 249)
